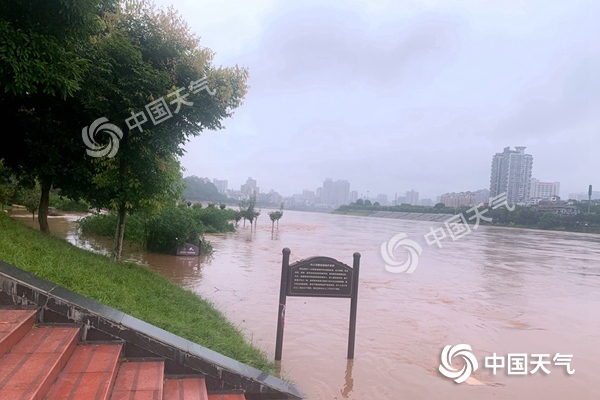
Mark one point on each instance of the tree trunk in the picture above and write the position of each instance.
(44, 203)
(118, 246)
(272, 228)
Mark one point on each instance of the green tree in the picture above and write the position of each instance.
(526, 216)
(42, 66)
(40, 41)
(30, 199)
(8, 185)
(248, 211)
(275, 216)
(146, 54)
(548, 220)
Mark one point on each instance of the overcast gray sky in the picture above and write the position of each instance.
(401, 95)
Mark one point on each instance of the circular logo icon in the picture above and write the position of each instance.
(388, 250)
(446, 368)
(94, 149)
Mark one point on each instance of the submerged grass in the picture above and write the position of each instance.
(129, 287)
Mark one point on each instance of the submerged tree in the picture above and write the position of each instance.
(275, 216)
(248, 212)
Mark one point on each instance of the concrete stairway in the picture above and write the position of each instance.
(48, 361)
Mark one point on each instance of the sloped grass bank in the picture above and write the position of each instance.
(128, 287)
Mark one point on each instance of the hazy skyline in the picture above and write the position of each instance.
(394, 97)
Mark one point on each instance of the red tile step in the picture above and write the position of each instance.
(14, 324)
(226, 396)
(139, 380)
(47, 363)
(185, 389)
(89, 374)
(30, 368)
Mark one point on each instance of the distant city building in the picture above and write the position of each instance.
(273, 198)
(465, 198)
(309, 196)
(382, 199)
(353, 196)
(221, 185)
(511, 174)
(335, 193)
(458, 199)
(583, 196)
(543, 190)
(341, 192)
(426, 202)
(249, 188)
(482, 196)
(555, 205)
(412, 197)
(327, 192)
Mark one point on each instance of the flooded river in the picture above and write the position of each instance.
(499, 290)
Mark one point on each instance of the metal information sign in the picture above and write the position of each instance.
(318, 277)
(188, 250)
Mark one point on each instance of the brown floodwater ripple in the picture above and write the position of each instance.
(499, 290)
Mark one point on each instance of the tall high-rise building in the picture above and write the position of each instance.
(249, 188)
(353, 196)
(335, 193)
(543, 190)
(511, 174)
(341, 192)
(412, 197)
(327, 192)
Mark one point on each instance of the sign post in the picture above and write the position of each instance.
(318, 277)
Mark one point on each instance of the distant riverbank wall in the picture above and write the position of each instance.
(408, 215)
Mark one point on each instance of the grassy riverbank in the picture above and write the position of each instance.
(129, 287)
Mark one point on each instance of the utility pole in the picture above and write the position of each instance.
(589, 198)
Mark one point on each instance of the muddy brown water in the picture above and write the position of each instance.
(499, 290)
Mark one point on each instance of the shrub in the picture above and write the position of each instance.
(66, 204)
(171, 228)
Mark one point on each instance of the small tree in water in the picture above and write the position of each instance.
(247, 210)
(275, 216)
